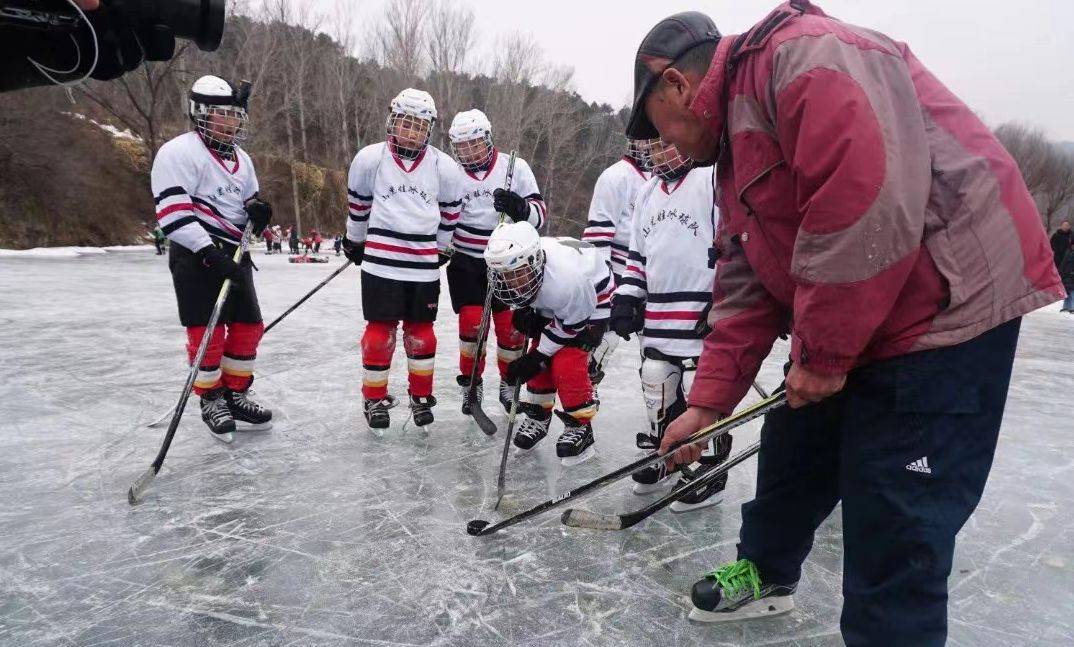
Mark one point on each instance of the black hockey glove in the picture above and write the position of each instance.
(511, 204)
(526, 368)
(260, 213)
(443, 259)
(353, 251)
(221, 263)
(628, 315)
(526, 321)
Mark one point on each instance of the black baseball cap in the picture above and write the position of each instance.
(670, 39)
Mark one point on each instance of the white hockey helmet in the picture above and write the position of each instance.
(471, 139)
(410, 120)
(515, 261)
(665, 161)
(219, 112)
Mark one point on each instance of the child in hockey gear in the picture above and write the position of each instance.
(480, 189)
(569, 284)
(735, 592)
(664, 293)
(609, 226)
(206, 190)
(402, 217)
(612, 207)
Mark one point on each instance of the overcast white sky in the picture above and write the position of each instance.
(1008, 60)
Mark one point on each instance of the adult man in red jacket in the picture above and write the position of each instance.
(869, 214)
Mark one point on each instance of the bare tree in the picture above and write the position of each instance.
(1047, 170)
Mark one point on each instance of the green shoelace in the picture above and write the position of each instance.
(735, 577)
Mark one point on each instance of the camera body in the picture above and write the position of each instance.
(201, 21)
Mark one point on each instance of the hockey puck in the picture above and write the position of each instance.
(475, 527)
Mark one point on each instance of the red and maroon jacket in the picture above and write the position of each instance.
(864, 208)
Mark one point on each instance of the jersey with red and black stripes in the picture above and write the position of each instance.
(477, 216)
(576, 291)
(669, 263)
(405, 211)
(611, 209)
(200, 196)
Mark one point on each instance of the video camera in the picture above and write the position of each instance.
(201, 21)
(111, 40)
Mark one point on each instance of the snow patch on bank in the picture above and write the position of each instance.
(70, 252)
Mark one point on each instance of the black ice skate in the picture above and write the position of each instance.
(376, 412)
(575, 444)
(652, 479)
(708, 495)
(534, 425)
(251, 415)
(217, 415)
(507, 396)
(464, 383)
(421, 409)
(735, 592)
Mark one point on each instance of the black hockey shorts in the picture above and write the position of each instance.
(392, 300)
(467, 283)
(196, 289)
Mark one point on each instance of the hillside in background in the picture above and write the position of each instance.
(68, 178)
(68, 181)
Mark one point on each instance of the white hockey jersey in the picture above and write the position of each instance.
(199, 195)
(610, 211)
(670, 246)
(576, 291)
(404, 211)
(478, 217)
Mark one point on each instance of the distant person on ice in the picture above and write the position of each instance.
(480, 182)
(869, 214)
(337, 244)
(1066, 273)
(292, 238)
(205, 190)
(402, 217)
(1061, 241)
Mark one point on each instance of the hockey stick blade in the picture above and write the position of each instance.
(481, 528)
(481, 418)
(134, 494)
(579, 518)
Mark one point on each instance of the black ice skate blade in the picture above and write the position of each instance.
(679, 507)
(763, 608)
(571, 461)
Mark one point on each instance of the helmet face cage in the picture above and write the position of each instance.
(665, 161)
(407, 134)
(518, 286)
(474, 154)
(221, 127)
(636, 150)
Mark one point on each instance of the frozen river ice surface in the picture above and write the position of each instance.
(319, 533)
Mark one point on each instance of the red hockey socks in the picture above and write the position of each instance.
(509, 341)
(209, 371)
(240, 351)
(378, 344)
(419, 341)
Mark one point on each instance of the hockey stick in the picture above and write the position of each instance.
(480, 527)
(308, 295)
(476, 412)
(165, 416)
(501, 479)
(580, 518)
(139, 487)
